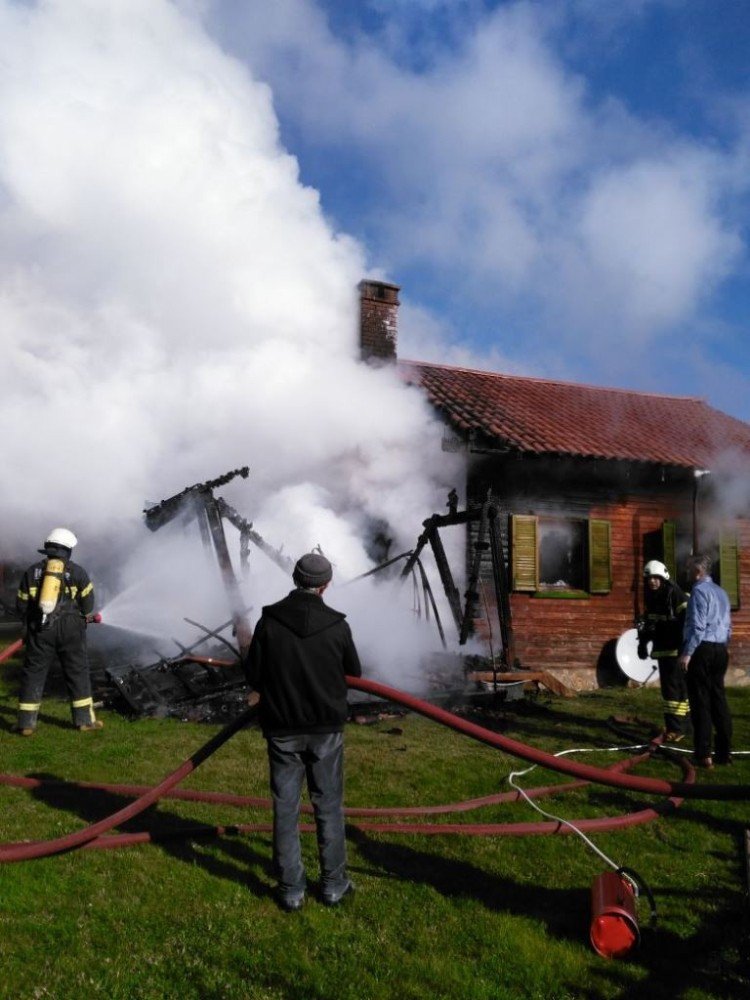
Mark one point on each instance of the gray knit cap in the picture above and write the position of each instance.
(312, 570)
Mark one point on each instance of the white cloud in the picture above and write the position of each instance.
(652, 243)
(501, 169)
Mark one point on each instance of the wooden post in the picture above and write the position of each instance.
(236, 604)
(480, 546)
(502, 591)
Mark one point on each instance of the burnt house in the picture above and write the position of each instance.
(590, 483)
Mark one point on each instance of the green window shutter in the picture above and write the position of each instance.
(525, 561)
(729, 564)
(669, 547)
(600, 557)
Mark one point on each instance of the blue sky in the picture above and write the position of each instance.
(559, 186)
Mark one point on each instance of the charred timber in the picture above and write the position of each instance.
(237, 605)
(165, 511)
(247, 531)
(502, 591)
(489, 540)
(472, 594)
(205, 508)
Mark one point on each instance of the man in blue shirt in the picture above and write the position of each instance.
(705, 658)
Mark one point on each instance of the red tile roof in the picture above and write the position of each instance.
(549, 417)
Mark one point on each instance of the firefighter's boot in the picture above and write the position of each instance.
(83, 715)
(28, 713)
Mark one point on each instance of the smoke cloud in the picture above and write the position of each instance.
(174, 303)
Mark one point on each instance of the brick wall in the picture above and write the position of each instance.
(577, 635)
(379, 304)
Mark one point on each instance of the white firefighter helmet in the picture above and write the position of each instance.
(656, 568)
(61, 536)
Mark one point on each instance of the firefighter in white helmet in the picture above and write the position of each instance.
(54, 599)
(664, 620)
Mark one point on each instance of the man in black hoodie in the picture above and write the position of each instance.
(298, 661)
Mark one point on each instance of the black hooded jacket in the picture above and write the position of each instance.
(299, 656)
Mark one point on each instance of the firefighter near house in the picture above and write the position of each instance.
(55, 601)
(663, 624)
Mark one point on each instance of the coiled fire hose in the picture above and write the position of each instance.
(94, 835)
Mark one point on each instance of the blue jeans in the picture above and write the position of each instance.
(320, 759)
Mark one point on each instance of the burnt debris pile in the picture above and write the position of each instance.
(205, 681)
(196, 685)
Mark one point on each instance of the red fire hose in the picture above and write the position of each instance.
(253, 802)
(24, 852)
(650, 786)
(92, 836)
(11, 650)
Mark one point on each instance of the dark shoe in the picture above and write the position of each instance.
(722, 761)
(89, 727)
(334, 898)
(705, 762)
(290, 904)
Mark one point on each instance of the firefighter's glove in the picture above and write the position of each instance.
(642, 649)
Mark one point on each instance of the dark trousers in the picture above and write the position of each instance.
(674, 693)
(708, 700)
(63, 640)
(320, 759)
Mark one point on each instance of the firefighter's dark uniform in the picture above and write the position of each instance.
(62, 636)
(664, 621)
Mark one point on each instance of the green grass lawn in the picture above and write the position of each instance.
(441, 916)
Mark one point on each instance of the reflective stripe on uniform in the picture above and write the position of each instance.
(25, 706)
(681, 607)
(677, 707)
(82, 703)
(22, 595)
(87, 590)
(663, 652)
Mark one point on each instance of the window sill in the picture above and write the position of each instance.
(562, 595)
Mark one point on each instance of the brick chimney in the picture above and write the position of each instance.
(378, 329)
